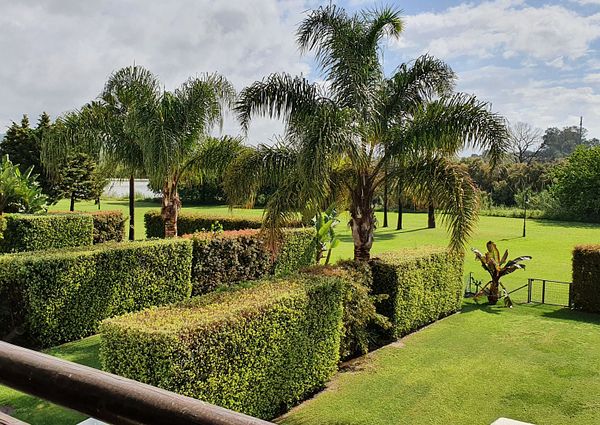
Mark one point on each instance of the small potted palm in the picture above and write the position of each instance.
(497, 267)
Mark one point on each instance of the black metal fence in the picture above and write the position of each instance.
(537, 291)
(546, 291)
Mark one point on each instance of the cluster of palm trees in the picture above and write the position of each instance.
(344, 139)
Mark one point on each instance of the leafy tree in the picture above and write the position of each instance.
(577, 184)
(560, 143)
(342, 135)
(78, 180)
(19, 191)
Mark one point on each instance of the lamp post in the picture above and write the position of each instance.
(525, 201)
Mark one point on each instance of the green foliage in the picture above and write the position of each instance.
(560, 143)
(40, 232)
(327, 239)
(361, 322)
(79, 179)
(191, 222)
(258, 350)
(584, 292)
(59, 296)
(108, 225)
(577, 184)
(423, 285)
(227, 258)
(19, 191)
(2, 227)
(297, 249)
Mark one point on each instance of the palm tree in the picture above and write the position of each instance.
(176, 138)
(124, 90)
(340, 136)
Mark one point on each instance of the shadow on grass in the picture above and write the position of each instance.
(568, 224)
(471, 306)
(567, 314)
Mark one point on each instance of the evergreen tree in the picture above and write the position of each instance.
(78, 180)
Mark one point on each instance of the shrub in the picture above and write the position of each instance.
(298, 249)
(59, 296)
(226, 258)
(108, 225)
(585, 289)
(192, 222)
(257, 350)
(423, 285)
(2, 226)
(37, 232)
(361, 322)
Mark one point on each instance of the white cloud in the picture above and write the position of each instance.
(56, 55)
(523, 95)
(549, 33)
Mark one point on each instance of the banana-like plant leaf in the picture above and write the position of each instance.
(504, 257)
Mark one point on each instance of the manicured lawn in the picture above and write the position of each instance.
(535, 364)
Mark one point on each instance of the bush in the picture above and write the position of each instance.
(226, 258)
(192, 222)
(423, 285)
(361, 322)
(59, 296)
(257, 350)
(108, 225)
(585, 289)
(298, 249)
(2, 226)
(37, 232)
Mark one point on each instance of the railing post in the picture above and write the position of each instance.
(529, 287)
(543, 291)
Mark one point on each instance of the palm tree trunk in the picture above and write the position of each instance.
(169, 210)
(131, 207)
(362, 222)
(400, 207)
(431, 216)
(385, 200)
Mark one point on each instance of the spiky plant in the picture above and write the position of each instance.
(497, 267)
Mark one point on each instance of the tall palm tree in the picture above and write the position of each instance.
(176, 138)
(340, 136)
(124, 90)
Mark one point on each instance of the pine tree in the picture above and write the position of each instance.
(77, 180)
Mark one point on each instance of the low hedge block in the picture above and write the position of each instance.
(256, 350)
(48, 231)
(192, 222)
(226, 258)
(109, 226)
(585, 289)
(423, 285)
(298, 249)
(60, 296)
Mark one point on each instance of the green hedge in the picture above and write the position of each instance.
(585, 289)
(109, 226)
(62, 295)
(298, 249)
(423, 285)
(192, 222)
(226, 258)
(2, 226)
(257, 350)
(38, 232)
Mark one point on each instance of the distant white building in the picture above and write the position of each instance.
(120, 188)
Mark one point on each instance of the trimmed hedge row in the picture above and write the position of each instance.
(585, 289)
(59, 296)
(256, 350)
(38, 232)
(2, 226)
(423, 285)
(229, 257)
(192, 222)
(109, 226)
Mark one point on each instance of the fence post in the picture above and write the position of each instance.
(543, 291)
(529, 287)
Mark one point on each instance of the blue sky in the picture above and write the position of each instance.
(535, 61)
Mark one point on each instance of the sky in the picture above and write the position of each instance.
(534, 61)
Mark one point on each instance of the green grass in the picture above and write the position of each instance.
(534, 364)
(537, 364)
